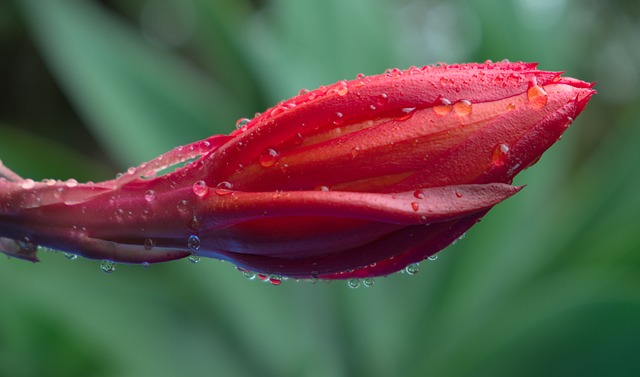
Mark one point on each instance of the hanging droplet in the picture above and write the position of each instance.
(500, 153)
(70, 256)
(224, 188)
(146, 264)
(108, 266)
(200, 188)
(368, 282)
(194, 259)
(269, 157)
(537, 96)
(433, 257)
(150, 196)
(353, 283)
(412, 269)
(193, 242)
(462, 108)
(275, 280)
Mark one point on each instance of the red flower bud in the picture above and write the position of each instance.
(357, 179)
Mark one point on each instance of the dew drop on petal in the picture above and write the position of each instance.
(200, 188)
(108, 266)
(338, 119)
(183, 205)
(150, 196)
(146, 264)
(149, 244)
(303, 91)
(537, 96)
(433, 257)
(269, 157)
(194, 259)
(462, 108)
(242, 122)
(342, 90)
(418, 194)
(443, 108)
(224, 188)
(500, 153)
(415, 206)
(353, 283)
(28, 184)
(412, 269)
(71, 183)
(193, 242)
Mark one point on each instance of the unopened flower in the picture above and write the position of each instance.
(357, 179)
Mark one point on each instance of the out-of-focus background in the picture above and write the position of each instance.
(547, 285)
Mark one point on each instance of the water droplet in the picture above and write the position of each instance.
(146, 264)
(500, 153)
(537, 96)
(432, 257)
(303, 91)
(458, 194)
(224, 188)
(462, 108)
(360, 76)
(355, 151)
(418, 194)
(70, 256)
(200, 188)
(338, 119)
(193, 242)
(368, 282)
(108, 266)
(242, 122)
(415, 206)
(183, 205)
(195, 223)
(342, 90)
(382, 99)
(28, 184)
(443, 108)
(445, 80)
(248, 274)
(150, 196)
(149, 244)
(194, 259)
(269, 157)
(511, 106)
(275, 280)
(407, 113)
(71, 183)
(412, 269)
(278, 110)
(353, 283)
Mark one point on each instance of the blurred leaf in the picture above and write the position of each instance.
(32, 156)
(141, 101)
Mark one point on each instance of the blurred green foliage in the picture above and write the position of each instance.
(548, 284)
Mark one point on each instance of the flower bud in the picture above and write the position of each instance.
(357, 179)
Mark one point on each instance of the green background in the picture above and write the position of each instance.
(548, 284)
